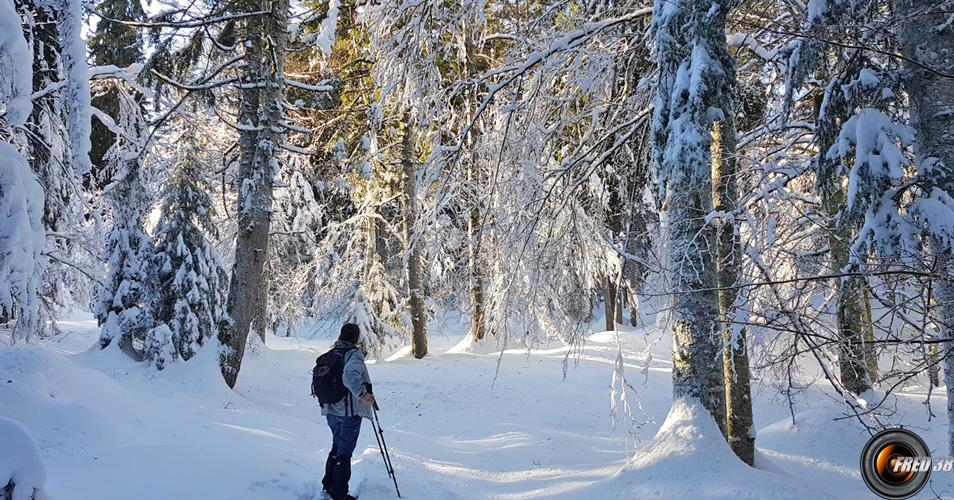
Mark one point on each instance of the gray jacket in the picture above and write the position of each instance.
(355, 376)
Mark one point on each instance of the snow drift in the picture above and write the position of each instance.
(20, 464)
(689, 458)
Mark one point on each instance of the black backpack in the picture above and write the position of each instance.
(326, 379)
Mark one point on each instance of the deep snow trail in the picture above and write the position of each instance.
(109, 429)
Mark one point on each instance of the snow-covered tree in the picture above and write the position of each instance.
(927, 40)
(692, 61)
(849, 79)
(189, 282)
(260, 122)
(22, 237)
(57, 154)
(409, 42)
(122, 307)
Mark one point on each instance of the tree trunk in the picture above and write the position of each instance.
(477, 325)
(260, 112)
(850, 307)
(415, 290)
(620, 304)
(871, 355)
(633, 269)
(260, 324)
(856, 359)
(931, 98)
(739, 428)
(614, 222)
(685, 32)
(370, 253)
(934, 370)
(609, 302)
(945, 316)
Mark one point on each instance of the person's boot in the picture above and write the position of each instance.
(329, 478)
(342, 474)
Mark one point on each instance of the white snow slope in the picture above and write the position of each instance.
(111, 429)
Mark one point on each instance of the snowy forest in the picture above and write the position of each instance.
(581, 215)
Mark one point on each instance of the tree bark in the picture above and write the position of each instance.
(260, 113)
(739, 428)
(415, 289)
(371, 252)
(931, 98)
(260, 324)
(870, 354)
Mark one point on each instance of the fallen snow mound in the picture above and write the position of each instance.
(20, 461)
(688, 458)
(468, 345)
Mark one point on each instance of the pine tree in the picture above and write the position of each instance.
(854, 326)
(739, 427)
(475, 61)
(74, 93)
(189, 297)
(119, 310)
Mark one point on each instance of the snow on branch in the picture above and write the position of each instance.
(190, 23)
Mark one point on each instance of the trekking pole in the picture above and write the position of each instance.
(379, 437)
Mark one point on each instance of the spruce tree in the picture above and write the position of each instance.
(123, 303)
(189, 298)
(120, 308)
(261, 114)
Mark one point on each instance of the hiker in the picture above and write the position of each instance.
(343, 387)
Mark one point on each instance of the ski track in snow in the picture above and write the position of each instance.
(111, 429)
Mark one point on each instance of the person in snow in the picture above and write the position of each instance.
(344, 417)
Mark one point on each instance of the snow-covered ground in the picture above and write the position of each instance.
(110, 429)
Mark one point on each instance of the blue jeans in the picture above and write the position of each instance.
(344, 432)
